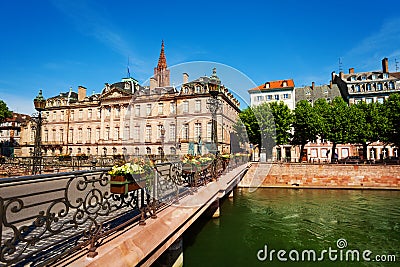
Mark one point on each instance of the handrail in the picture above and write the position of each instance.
(46, 217)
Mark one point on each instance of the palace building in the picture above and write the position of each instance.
(127, 118)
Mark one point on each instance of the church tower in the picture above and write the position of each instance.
(161, 73)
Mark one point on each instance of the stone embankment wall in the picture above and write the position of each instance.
(322, 175)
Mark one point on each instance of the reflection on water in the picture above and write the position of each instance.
(296, 219)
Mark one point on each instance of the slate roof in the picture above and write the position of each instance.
(319, 91)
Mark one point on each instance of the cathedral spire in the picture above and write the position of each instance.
(162, 61)
(161, 73)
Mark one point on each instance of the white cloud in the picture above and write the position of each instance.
(90, 20)
(372, 49)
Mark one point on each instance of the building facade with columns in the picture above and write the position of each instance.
(127, 118)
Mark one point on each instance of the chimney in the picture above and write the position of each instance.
(312, 85)
(341, 75)
(81, 93)
(185, 78)
(351, 70)
(333, 75)
(330, 84)
(385, 65)
(153, 83)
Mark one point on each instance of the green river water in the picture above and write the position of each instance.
(298, 219)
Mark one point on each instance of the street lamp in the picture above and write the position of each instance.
(40, 104)
(213, 105)
(162, 136)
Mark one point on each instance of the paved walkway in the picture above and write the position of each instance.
(144, 244)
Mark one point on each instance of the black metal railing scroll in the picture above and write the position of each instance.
(45, 218)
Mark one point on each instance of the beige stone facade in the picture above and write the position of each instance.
(126, 118)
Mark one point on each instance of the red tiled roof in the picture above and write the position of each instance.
(274, 85)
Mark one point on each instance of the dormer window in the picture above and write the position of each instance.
(373, 76)
(198, 88)
(284, 84)
(266, 85)
(385, 76)
(363, 78)
(352, 78)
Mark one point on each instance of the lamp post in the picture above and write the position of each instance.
(162, 136)
(40, 104)
(199, 146)
(213, 105)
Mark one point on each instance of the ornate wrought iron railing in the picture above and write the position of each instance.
(46, 217)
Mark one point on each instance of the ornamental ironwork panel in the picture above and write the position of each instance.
(52, 214)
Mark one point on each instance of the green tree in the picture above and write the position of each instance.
(322, 112)
(283, 118)
(337, 124)
(249, 121)
(391, 108)
(266, 122)
(4, 111)
(305, 125)
(367, 124)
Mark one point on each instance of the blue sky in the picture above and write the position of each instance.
(57, 44)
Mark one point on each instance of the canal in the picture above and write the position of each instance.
(298, 221)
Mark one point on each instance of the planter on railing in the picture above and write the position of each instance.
(122, 184)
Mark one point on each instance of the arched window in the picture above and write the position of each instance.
(137, 151)
(148, 150)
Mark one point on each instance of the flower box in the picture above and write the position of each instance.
(122, 184)
(189, 168)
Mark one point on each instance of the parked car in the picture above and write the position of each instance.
(351, 160)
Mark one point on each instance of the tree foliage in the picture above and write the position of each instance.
(283, 118)
(367, 124)
(4, 111)
(266, 122)
(252, 129)
(270, 123)
(391, 109)
(305, 125)
(337, 130)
